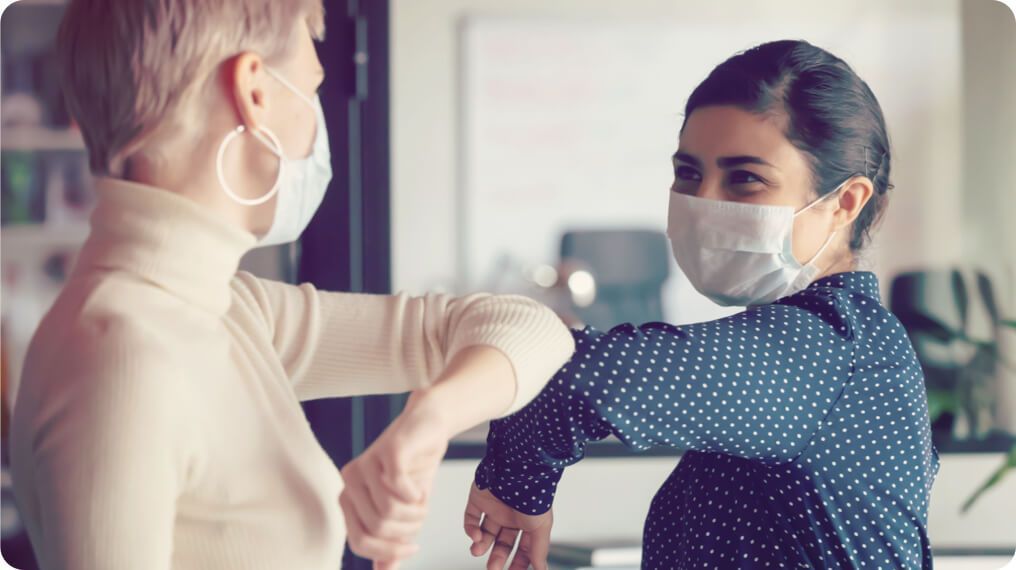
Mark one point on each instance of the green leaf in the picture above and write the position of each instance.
(998, 475)
(940, 402)
(1011, 324)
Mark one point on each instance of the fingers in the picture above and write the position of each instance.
(392, 521)
(523, 555)
(489, 529)
(399, 482)
(539, 548)
(470, 523)
(386, 495)
(368, 546)
(390, 507)
(534, 547)
(521, 560)
(503, 546)
(384, 534)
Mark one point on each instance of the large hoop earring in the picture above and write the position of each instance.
(222, 178)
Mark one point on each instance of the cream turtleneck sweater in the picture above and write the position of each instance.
(158, 421)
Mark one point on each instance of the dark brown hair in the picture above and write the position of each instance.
(831, 115)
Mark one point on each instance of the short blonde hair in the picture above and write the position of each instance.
(128, 65)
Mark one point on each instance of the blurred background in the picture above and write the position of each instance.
(524, 147)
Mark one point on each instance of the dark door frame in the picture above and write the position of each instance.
(347, 246)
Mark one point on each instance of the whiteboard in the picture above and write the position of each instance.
(561, 131)
(569, 123)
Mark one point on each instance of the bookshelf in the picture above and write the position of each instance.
(45, 199)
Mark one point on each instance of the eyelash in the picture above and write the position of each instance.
(756, 177)
(690, 174)
(687, 173)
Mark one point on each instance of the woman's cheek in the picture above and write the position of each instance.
(807, 238)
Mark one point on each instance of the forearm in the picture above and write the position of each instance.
(528, 451)
(343, 344)
(664, 386)
(478, 384)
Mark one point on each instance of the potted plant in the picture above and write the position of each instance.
(1008, 465)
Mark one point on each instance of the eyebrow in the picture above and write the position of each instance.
(724, 161)
(685, 157)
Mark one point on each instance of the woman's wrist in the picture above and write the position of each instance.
(427, 407)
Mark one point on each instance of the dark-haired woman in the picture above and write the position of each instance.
(804, 418)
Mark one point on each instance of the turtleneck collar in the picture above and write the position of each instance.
(166, 239)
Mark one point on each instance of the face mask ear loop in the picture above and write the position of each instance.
(828, 240)
(281, 79)
(288, 85)
(821, 198)
(273, 145)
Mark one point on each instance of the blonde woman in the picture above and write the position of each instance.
(158, 422)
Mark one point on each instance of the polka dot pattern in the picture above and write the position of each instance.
(804, 424)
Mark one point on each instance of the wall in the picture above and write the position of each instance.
(989, 134)
(989, 173)
(910, 55)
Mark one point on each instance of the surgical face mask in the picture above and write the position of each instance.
(739, 254)
(300, 183)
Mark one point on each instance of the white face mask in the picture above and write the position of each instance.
(300, 183)
(739, 254)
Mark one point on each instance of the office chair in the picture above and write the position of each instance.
(629, 268)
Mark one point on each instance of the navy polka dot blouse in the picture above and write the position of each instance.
(804, 424)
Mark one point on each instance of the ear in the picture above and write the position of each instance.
(245, 77)
(853, 196)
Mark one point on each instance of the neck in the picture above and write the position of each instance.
(845, 262)
(191, 182)
(166, 239)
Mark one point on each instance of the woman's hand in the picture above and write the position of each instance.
(488, 522)
(387, 487)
